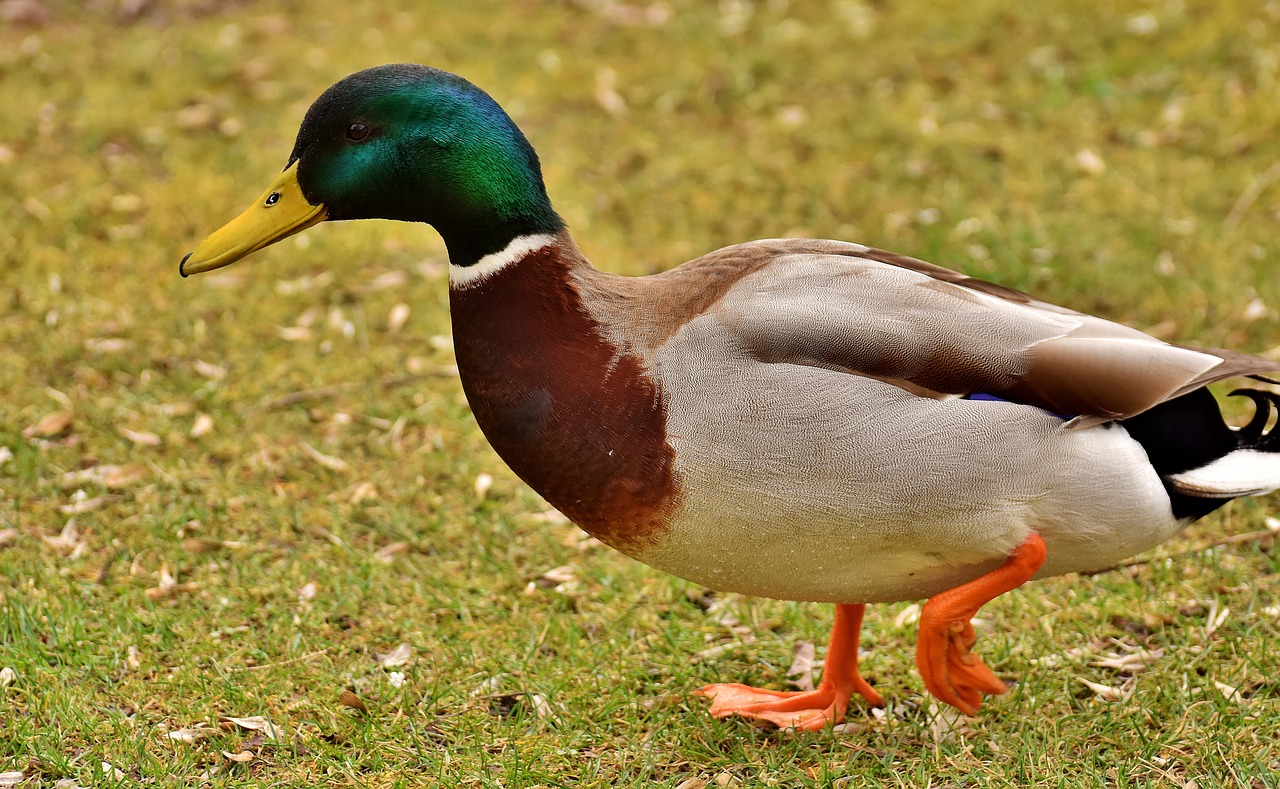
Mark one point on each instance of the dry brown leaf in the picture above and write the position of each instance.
(490, 685)
(303, 285)
(1215, 618)
(67, 540)
(142, 438)
(158, 593)
(60, 397)
(8, 537)
(337, 319)
(257, 723)
(692, 783)
(112, 772)
(721, 610)
(398, 317)
(660, 702)
(504, 705)
(561, 579)
(195, 116)
(197, 545)
(1132, 663)
(1229, 692)
(1255, 310)
(727, 778)
(120, 477)
(215, 770)
(802, 665)
(166, 578)
(945, 722)
(83, 503)
(169, 586)
(396, 278)
(293, 333)
(202, 426)
(558, 575)
(37, 209)
(907, 616)
(396, 657)
(328, 461)
(554, 517)
(432, 269)
(50, 425)
(1089, 162)
(348, 698)
(362, 491)
(580, 541)
(174, 408)
(387, 553)
(1109, 693)
(1058, 658)
(107, 344)
(241, 757)
(189, 736)
(207, 370)
(541, 707)
(607, 95)
(717, 651)
(221, 633)
(110, 476)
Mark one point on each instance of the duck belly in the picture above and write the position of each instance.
(807, 484)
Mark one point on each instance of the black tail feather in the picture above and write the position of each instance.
(1188, 432)
(1253, 435)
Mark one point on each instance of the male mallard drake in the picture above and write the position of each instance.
(798, 419)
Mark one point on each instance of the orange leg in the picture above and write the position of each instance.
(810, 709)
(950, 670)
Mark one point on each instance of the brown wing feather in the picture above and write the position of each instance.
(825, 303)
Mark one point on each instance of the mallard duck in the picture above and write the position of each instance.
(798, 419)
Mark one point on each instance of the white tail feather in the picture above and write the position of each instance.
(1244, 472)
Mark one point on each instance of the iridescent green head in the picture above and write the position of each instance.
(403, 142)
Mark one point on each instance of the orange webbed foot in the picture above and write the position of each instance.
(808, 710)
(802, 710)
(950, 669)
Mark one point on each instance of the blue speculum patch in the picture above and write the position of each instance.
(992, 398)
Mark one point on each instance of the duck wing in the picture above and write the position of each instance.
(936, 332)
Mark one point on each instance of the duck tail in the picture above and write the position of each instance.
(1250, 469)
(1203, 462)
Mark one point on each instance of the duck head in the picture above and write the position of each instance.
(405, 142)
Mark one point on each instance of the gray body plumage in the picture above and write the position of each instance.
(824, 454)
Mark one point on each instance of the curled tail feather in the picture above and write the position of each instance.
(1251, 469)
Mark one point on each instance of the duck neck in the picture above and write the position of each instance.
(498, 197)
(472, 237)
(577, 418)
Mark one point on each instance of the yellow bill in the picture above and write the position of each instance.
(280, 212)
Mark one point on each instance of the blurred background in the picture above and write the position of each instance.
(272, 467)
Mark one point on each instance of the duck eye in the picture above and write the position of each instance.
(273, 198)
(357, 132)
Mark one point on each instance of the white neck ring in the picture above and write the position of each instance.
(469, 276)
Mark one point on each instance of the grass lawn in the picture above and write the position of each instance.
(250, 534)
